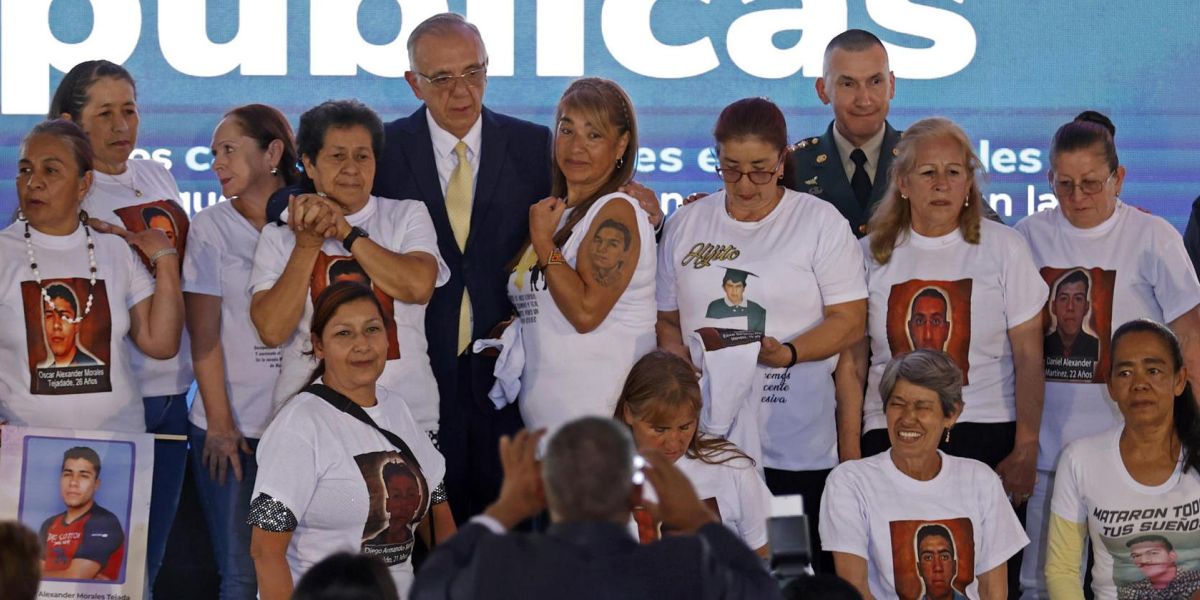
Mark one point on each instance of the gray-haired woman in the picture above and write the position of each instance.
(876, 513)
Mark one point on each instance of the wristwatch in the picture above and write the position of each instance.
(355, 233)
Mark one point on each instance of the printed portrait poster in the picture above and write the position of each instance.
(735, 306)
(332, 269)
(1078, 324)
(1155, 549)
(933, 559)
(87, 496)
(67, 357)
(164, 215)
(934, 315)
(399, 500)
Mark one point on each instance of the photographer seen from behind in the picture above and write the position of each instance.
(586, 480)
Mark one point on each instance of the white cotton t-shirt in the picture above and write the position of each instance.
(401, 226)
(1093, 486)
(61, 375)
(1133, 265)
(333, 472)
(872, 510)
(218, 263)
(800, 259)
(113, 199)
(570, 374)
(957, 297)
(733, 490)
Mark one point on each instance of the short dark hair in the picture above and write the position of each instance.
(1150, 537)
(934, 293)
(71, 95)
(853, 40)
(72, 135)
(1087, 130)
(336, 114)
(347, 576)
(149, 212)
(20, 561)
(347, 267)
(327, 303)
(85, 453)
(935, 529)
(64, 292)
(620, 228)
(1076, 276)
(588, 470)
(265, 124)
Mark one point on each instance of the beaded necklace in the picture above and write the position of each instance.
(91, 248)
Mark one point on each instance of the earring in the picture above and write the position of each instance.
(620, 163)
(274, 170)
(947, 435)
(21, 215)
(967, 202)
(903, 197)
(83, 217)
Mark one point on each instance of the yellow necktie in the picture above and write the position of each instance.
(459, 194)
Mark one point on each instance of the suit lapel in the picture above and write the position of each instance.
(493, 145)
(418, 147)
(886, 153)
(833, 178)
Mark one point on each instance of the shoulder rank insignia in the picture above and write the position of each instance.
(812, 181)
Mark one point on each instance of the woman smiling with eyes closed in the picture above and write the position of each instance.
(878, 512)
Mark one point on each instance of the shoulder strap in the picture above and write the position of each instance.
(346, 405)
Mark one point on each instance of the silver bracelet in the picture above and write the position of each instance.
(161, 253)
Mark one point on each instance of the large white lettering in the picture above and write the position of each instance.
(952, 34)
(750, 39)
(338, 48)
(259, 48)
(28, 48)
(627, 33)
(559, 38)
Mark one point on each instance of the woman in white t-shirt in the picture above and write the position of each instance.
(912, 521)
(72, 297)
(329, 478)
(1134, 491)
(942, 278)
(342, 232)
(584, 285)
(661, 405)
(761, 258)
(253, 155)
(1106, 263)
(136, 194)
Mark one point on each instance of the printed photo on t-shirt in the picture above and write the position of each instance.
(1078, 323)
(164, 215)
(651, 530)
(333, 269)
(933, 560)
(77, 494)
(399, 500)
(69, 345)
(735, 302)
(931, 315)
(1154, 553)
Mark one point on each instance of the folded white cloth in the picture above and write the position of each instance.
(509, 364)
(729, 365)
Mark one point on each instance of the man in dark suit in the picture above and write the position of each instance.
(587, 481)
(477, 172)
(848, 165)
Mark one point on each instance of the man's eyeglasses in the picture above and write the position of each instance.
(756, 177)
(473, 77)
(1066, 187)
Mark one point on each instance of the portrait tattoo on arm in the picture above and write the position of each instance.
(610, 248)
